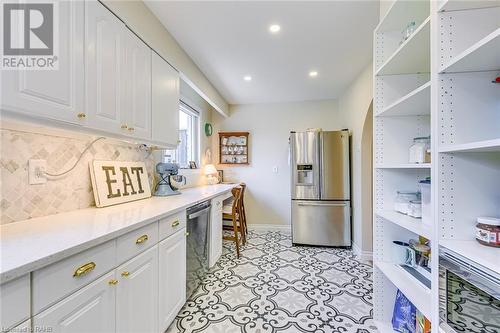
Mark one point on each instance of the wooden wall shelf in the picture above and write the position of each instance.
(233, 148)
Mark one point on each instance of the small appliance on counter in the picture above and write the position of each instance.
(167, 172)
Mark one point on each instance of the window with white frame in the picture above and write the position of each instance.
(188, 148)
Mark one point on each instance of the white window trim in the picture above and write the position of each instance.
(188, 109)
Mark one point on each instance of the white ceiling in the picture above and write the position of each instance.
(230, 39)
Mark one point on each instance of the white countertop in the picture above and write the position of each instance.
(31, 244)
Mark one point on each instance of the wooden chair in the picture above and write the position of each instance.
(243, 213)
(235, 216)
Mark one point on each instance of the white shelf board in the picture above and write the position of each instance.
(384, 327)
(400, 13)
(452, 5)
(407, 222)
(479, 146)
(404, 166)
(416, 103)
(482, 56)
(485, 256)
(413, 56)
(413, 289)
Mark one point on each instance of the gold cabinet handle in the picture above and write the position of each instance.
(84, 269)
(125, 274)
(124, 126)
(175, 223)
(142, 239)
(113, 282)
(131, 129)
(81, 115)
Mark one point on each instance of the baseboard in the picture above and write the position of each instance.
(270, 227)
(363, 255)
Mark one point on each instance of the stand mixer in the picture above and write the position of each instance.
(168, 171)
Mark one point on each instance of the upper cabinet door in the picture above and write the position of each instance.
(90, 309)
(138, 97)
(137, 294)
(54, 94)
(104, 67)
(165, 110)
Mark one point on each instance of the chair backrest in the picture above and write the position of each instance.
(237, 191)
(243, 188)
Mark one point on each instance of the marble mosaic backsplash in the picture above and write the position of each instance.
(21, 201)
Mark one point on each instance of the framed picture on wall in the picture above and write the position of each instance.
(220, 174)
(192, 165)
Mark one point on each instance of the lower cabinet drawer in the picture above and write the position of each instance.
(135, 242)
(53, 282)
(14, 302)
(171, 224)
(90, 309)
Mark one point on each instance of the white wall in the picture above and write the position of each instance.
(268, 198)
(354, 105)
(145, 24)
(384, 7)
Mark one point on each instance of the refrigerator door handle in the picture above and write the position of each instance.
(322, 204)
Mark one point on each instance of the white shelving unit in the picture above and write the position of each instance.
(410, 223)
(439, 82)
(465, 106)
(402, 102)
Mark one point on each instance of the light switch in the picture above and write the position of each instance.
(275, 169)
(36, 172)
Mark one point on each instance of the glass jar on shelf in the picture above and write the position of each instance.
(420, 150)
(403, 199)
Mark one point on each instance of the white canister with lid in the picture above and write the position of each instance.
(419, 150)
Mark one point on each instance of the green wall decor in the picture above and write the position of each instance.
(208, 129)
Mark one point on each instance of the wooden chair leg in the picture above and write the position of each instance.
(235, 229)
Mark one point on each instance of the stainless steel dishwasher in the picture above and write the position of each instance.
(198, 220)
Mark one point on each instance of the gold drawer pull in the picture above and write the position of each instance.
(84, 269)
(124, 126)
(81, 115)
(175, 223)
(131, 129)
(113, 282)
(125, 274)
(142, 239)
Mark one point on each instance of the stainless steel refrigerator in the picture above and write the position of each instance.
(321, 198)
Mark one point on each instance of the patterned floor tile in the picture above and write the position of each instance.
(275, 287)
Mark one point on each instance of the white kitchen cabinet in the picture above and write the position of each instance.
(165, 99)
(172, 278)
(137, 293)
(216, 230)
(105, 63)
(53, 94)
(90, 309)
(138, 80)
(14, 302)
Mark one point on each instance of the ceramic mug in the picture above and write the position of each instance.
(403, 254)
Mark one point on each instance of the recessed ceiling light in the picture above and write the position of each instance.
(274, 28)
(313, 73)
(247, 78)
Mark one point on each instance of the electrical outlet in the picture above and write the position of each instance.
(36, 172)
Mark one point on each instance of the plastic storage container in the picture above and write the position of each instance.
(402, 202)
(425, 190)
(419, 151)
